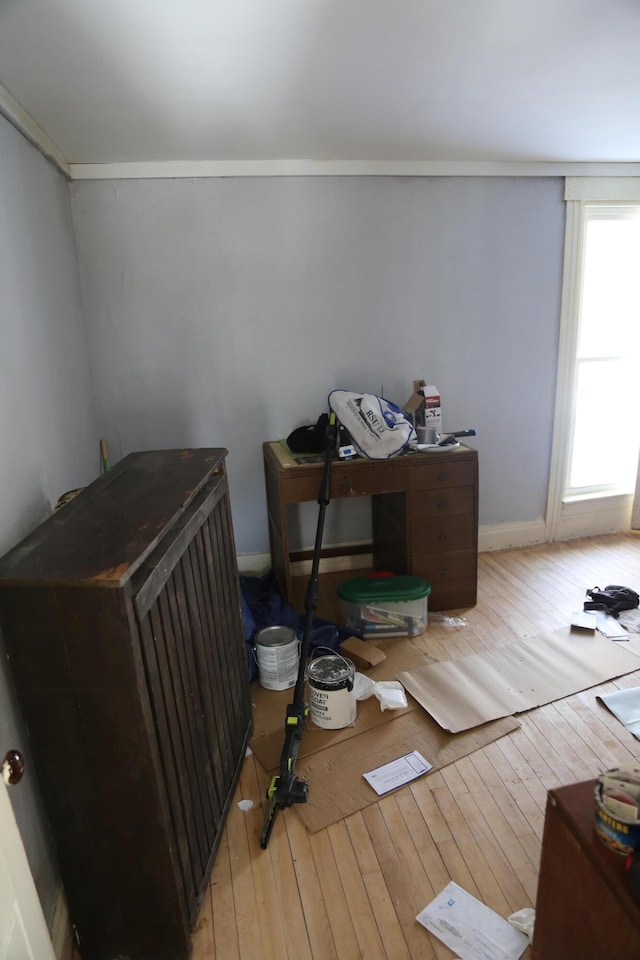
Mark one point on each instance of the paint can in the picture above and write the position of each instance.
(332, 698)
(277, 656)
(616, 812)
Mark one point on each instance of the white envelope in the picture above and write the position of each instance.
(470, 928)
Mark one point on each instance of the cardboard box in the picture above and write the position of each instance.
(363, 653)
(424, 406)
(432, 408)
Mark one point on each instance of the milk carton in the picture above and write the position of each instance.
(424, 408)
(432, 408)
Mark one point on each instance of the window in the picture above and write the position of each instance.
(597, 428)
(605, 428)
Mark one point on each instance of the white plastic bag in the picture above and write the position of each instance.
(390, 693)
(379, 429)
(524, 921)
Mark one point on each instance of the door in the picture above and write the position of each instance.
(23, 929)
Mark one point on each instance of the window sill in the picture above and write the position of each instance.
(598, 495)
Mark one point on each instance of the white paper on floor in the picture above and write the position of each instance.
(470, 928)
(625, 705)
(631, 620)
(610, 627)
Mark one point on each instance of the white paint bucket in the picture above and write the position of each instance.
(277, 655)
(332, 698)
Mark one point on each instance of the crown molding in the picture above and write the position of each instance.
(11, 110)
(206, 169)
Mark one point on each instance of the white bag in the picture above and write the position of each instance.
(379, 429)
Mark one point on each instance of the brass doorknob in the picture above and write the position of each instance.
(13, 767)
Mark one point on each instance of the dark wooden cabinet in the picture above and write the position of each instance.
(584, 906)
(424, 514)
(122, 621)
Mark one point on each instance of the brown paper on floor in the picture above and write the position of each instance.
(460, 694)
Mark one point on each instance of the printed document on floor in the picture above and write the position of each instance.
(397, 772)
(470, 928)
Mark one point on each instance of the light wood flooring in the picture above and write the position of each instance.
(353, 889)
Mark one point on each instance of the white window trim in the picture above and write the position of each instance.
(608, 513)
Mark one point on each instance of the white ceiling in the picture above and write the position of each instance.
(350, 80)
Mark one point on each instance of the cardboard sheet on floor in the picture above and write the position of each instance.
(337, 787)
(460, 694)
(625, 706)
(402, 654)
(334, 761)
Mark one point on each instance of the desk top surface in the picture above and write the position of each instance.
(287, 460)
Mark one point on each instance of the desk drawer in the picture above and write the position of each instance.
(366, 480)
(443, 502)
(453, 578)
(442, 535)
(443, 474)
(361, 480)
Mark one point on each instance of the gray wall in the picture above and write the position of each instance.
(221, 312)
(48, 429)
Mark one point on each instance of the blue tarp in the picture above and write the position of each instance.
(263, 606)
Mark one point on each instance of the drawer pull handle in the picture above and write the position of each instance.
(444, 572)
(443, 476)
(442, 536)
(442, 505)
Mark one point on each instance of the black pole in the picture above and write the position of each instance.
(287, 788)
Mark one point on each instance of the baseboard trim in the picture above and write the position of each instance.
(346, 562)
(504, 536)
(254, 564)
(497, 536)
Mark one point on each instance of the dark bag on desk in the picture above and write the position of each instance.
(613, 599)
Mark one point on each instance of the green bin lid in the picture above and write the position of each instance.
(392, 589)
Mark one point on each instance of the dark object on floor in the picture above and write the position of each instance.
(613, 599)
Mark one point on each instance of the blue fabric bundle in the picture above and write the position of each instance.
(263, 606)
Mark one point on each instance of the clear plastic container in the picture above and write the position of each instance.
(385, 605)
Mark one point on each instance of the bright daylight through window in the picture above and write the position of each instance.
(605, 427)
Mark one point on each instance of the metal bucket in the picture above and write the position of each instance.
(277, 656)
(332, 698)
(615, 833)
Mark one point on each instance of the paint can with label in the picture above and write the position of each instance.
(277, 656)
(332, 698)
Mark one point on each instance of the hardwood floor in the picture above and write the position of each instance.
(353, 889)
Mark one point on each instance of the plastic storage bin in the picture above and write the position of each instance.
(385, 606)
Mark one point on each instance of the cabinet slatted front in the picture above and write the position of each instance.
(121, 617)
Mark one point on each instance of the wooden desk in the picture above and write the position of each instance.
(584, 906)
(424, 512)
